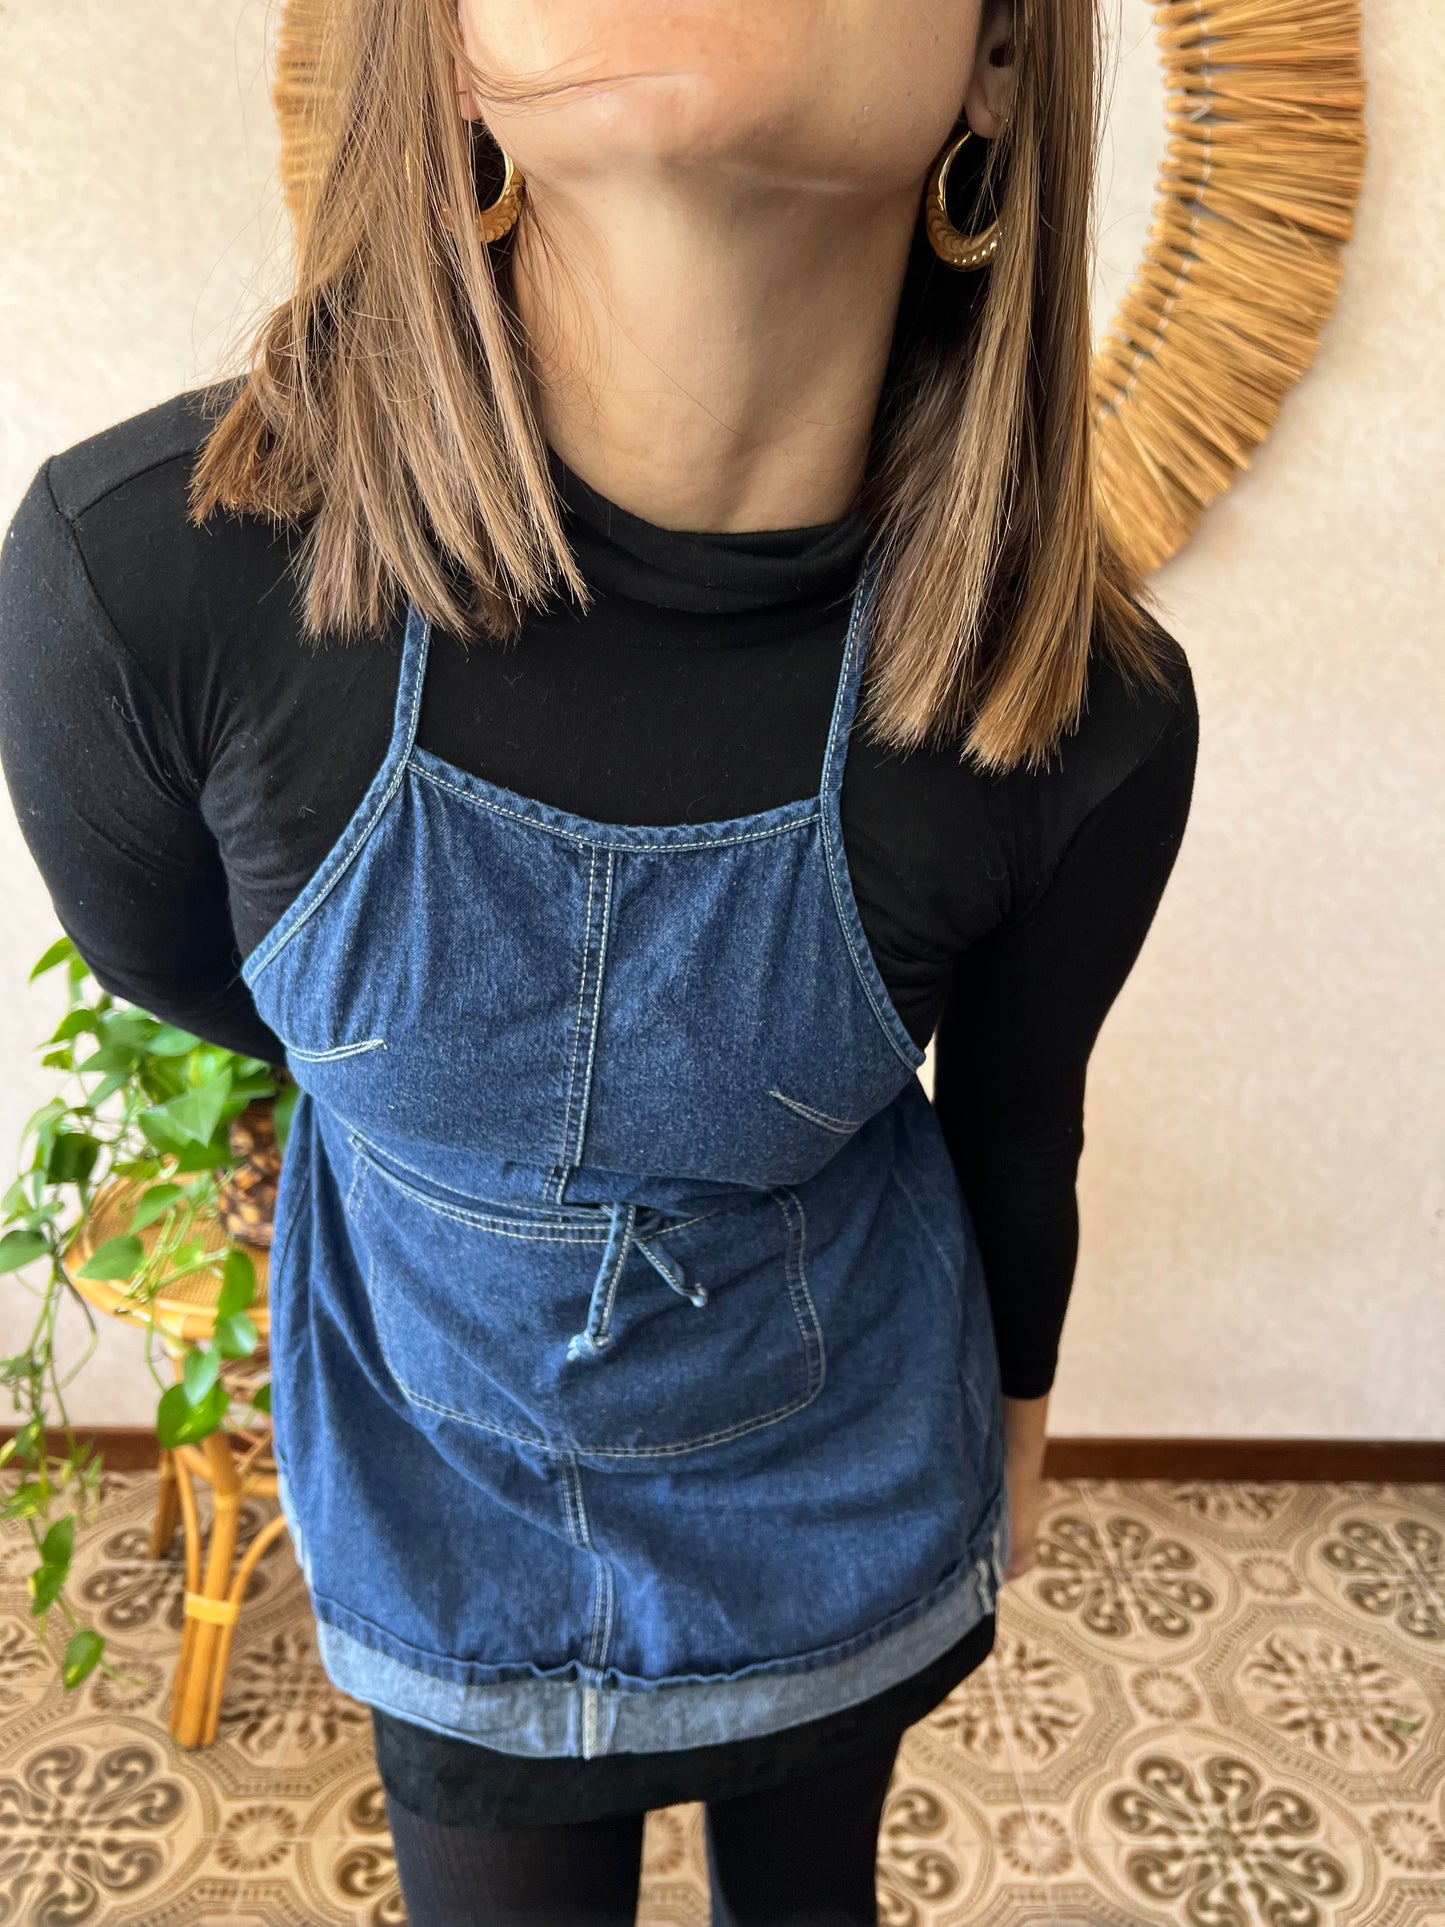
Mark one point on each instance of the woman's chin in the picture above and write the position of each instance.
(656, 124)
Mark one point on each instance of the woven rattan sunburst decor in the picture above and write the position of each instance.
(1254, 203)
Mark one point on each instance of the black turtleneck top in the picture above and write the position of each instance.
(181, 759)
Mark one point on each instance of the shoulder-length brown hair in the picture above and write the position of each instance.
(389, 401)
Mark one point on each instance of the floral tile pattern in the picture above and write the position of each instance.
(1209, 1705)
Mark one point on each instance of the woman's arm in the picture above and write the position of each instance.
(1024, 1010)
(104, 796)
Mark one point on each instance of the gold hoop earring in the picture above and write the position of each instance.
(498, 219)
(956, 250)
(501, 217)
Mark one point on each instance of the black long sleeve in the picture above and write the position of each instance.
(1021, 1019)
(181, 759)
(106, 799)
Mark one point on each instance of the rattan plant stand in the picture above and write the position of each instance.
(237, 1464)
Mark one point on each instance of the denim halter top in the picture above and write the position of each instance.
(634, 1381)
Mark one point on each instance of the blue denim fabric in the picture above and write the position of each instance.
(635, 1386)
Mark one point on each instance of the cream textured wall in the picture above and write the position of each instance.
(1262, 1189)
(139, 225)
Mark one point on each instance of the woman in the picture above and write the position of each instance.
(660, 1380)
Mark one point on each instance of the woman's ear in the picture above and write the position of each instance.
(989, 94)
(466, 99)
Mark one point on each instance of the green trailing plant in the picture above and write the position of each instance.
(149, 1106)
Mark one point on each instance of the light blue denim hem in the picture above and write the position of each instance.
(293, 1523)
(544, 1718)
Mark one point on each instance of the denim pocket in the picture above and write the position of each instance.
(608, 1332)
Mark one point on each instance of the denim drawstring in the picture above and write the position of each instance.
(622, 1237)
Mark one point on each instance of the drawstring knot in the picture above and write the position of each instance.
(623, 1236)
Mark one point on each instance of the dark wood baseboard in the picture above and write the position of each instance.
(132, 1448)
(124, 1448)
(1295, 1461)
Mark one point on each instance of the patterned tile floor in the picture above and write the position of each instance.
(1222, 1705)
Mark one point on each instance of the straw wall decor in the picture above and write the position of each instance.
(1254, 203)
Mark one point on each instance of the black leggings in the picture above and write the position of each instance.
(799, 1855)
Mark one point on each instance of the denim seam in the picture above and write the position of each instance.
(558, 1177)
(599, 1631)
(981, 1417)
(533, 1439)
(830, 815)
(582, 1450)
(922, 1218)
(844, 699)
(603, 935)
(622, 844)
(577, 1535)
(495, 1229)
(270, 948)
(623, 1246)
(841, 1126)
(556, 1218)
(845, 923)
(604, 1595)
(686, 1224)
(338, 1051)
(499, 1227)
(788, 1202)
(356, 1190)
(508, 1228)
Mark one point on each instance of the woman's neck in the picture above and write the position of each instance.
(713, 360)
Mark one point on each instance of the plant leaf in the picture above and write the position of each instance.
(238, 1284)
(82, 1656)
(178, 1422)
(161, 1132)
(132, 1030)
(195, 1114)
(48, 1579)
(108, 1086)
(72, 1157)
(117, 1258)
(171, 1041)
(41, 1120)
(110, 1057)
(73, 1023)
(21, 1248)
(235, 1337)
(26, 1501)
(58, 1544)
(141, 1169)
(61, 951)
(45, 1586)
(205, 1157)
(199, 1372)
(154, 1203)
(262, 1398)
